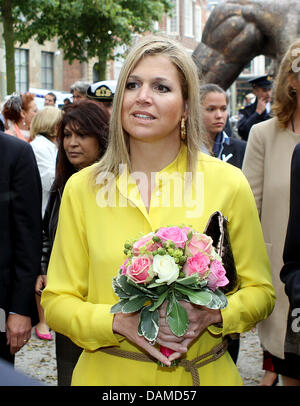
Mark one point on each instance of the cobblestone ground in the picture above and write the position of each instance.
(250, 359)
(37, 359)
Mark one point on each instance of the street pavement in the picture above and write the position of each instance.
(37, 359)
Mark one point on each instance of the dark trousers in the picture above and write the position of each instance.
(67, 354)
(234, 346)
(4, 349)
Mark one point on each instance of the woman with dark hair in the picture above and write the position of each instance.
(82, 138)
(214, 102)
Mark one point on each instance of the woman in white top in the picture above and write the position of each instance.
(43, 133)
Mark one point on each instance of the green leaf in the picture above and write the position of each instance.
(118, 291)
(201, 297)
(141, 289)
(149, 323)
(159, 301)
(219, 300)
(140, 333)
(117, 308)
(189, 280)
(128, 286)
(134, 304)
(155, 285)
(159, 290)
(169, 306)
(177, 318)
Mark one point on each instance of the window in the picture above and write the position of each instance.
(47, 70)
(173, 22)
(188, 18)
(198, 23)
(21, 69)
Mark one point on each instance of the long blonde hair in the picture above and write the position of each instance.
(285, 101)
(118, 147)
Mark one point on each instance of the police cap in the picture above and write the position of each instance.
(261, 81)
(102, 91)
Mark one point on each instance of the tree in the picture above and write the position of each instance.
(83, 28)
(8, 35)
(13, 16)
(90, 28)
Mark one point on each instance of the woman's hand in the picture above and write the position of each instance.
(127, 326)
(200, 317)
(40, 284)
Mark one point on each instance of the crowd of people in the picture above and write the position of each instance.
(63, 237)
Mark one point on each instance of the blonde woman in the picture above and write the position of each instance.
(155, 130)
(267, 166)
(43, 133)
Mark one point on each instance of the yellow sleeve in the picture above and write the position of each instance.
(255, 298)
(64, 299)
(253, 165)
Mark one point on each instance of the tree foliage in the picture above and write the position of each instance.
(13, 15)
(85, 28)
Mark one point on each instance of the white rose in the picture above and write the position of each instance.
(166, 269)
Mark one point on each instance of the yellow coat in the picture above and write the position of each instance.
(88, 251)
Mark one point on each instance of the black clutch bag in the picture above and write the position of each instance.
(216, 228)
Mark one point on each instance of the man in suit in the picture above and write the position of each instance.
(259, 110)
(20, 243)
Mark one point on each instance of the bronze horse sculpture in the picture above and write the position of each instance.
(239, 30)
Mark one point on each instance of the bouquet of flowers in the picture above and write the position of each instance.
(172, 264)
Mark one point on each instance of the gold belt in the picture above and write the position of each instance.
(190, 366)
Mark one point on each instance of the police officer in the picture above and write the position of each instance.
(260, 109)
(103, 92)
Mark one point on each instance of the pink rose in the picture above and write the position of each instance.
(216, 277)
(186, 230)
(199, 263)
(199, 243)
(140, 269)
(123, 267)
(145, 242)
(174, 234)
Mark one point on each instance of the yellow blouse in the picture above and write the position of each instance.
(88, 251)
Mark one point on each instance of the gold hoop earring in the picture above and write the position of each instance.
(182, 129)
